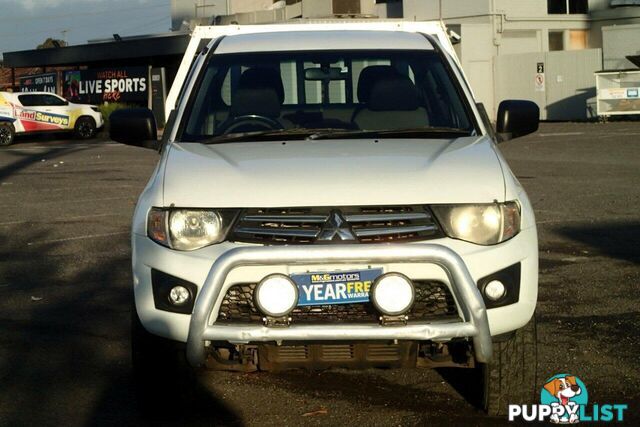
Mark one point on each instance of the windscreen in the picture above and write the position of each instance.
(339, 91)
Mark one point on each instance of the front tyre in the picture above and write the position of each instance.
(85, 128)
(7, 134)
(510, 377)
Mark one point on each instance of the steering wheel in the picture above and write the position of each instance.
(249, 123)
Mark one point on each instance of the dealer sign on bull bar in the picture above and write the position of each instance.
(342, 287)
(122, 84)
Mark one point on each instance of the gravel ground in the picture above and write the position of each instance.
(65, 293)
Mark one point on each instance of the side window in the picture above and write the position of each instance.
(289, 76)
(338, 88)
(441, 100)
(312, 88)
(225, 90)
(30, 100)
(53, 101)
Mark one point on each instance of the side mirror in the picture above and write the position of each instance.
(134, 126)
(517, 118)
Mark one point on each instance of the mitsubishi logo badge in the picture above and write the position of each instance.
(336, 228)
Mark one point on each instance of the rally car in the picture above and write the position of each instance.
(27, 112)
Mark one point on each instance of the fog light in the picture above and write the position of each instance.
(392, 294)
(179, 295)
(494, 290)
(276, 295)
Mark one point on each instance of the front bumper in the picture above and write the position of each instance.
(203, 328)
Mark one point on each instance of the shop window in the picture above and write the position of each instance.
(563, 7)
(577, 39)
(578, 6)
(556, 41)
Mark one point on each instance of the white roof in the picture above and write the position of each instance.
(322, 40)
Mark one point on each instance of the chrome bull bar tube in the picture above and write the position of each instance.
(463, 287)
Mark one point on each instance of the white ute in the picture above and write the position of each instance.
(332, 196)
(31, 112)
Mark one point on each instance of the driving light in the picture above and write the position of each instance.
(494, 290)
(483, 224)
(392, 294)
(179, 295)
(276, 295)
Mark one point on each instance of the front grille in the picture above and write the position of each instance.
(369, 224)
(432, 301)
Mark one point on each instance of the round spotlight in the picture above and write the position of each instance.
(179, 295)
(276, 295)
(392, 294)
(494, 290)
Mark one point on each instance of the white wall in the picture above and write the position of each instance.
(619, 41)
(523, 8)
(569, 81)
(476, 57)
(430, 9)
(317, 8)
(241, 6)
(520, 41)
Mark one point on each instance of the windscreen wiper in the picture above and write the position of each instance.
(265, 135)
(430, 132)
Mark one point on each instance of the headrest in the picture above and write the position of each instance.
(261, 78)
(394, 94)
(258, 101)
(369, 76)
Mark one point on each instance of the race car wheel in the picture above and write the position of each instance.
(85, 128)
(7, 133)
(161, 374)
(510, 377)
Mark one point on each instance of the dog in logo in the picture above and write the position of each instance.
(564, 389)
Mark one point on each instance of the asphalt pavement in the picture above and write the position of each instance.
(65, 298)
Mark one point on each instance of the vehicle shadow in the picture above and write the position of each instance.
(615, 239)
(168, 406)
(64, 345)
(566, 108)
(26, 159)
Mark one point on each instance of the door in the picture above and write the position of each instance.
(58, 109)
(43, 112)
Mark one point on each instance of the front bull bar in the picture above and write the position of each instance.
(464, 289)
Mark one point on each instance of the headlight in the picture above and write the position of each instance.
(96, 109)
(483, 224)
(187, 229)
